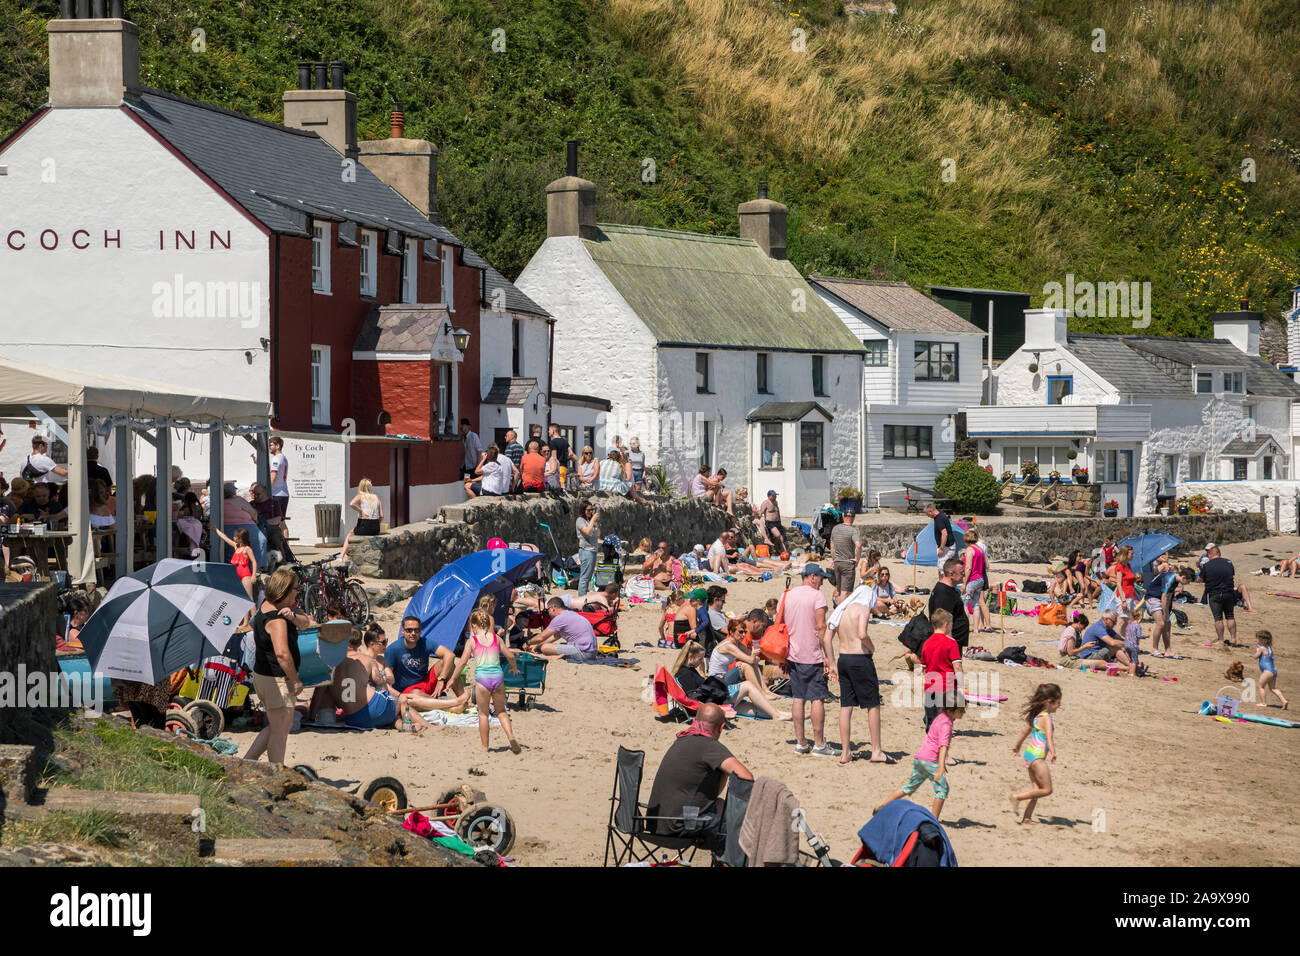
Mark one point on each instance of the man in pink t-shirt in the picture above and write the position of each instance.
(810, 659)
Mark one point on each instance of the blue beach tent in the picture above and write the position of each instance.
(922, 551)
(444, 602)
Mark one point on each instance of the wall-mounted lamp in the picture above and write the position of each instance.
(458, 336)
(249, 357)
(384, 418)
(266, 344)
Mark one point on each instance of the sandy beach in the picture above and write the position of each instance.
(1142, 778)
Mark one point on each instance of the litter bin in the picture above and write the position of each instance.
(329, 519)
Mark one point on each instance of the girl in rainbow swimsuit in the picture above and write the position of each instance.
(489, 678)
(1039, 746)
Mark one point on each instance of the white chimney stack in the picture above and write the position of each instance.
(1045, 328)
(94, 58)
(1239, 328)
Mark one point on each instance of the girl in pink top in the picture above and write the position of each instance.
(931, 760)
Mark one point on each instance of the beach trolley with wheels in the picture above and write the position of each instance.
(529, 682)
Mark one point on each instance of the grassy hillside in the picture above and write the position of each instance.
(1115, 165)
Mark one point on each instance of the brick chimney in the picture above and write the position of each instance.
(94, 55)
(410, 166)
(330, 111)
(763, 221)
(571, 202)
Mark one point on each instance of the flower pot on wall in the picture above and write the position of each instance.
(1110, 512)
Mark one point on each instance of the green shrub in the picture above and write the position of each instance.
(972, 489)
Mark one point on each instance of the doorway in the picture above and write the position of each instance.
(399, 486)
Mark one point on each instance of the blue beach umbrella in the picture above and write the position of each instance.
(444, 602)
(1148, 546)
(162, 618)
(923, 551)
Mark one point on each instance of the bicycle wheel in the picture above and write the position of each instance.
(356, 604)
(308, 599)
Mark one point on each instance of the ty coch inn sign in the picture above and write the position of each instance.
(19, 240)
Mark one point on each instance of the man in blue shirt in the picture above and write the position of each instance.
(408, 659)
(1160, 582)
(1100, 642)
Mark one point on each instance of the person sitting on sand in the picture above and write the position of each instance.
(688, 671)
(568, 635)
(884, 600)
(366, 702)
(1072, 642)
(676, 625)
(692, 774)
(658, 566)
(748, 562)
(1101, 642)
(408, 659)
(869, 566)
(1060, 591)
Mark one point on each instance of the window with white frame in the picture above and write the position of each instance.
(1112, 466)
(445, 376)
(811, 435)
(589, 437)
(1195, 467)
(449, 277)
(1234, 382)
(1239, 469)
(877, 354)
(770, 441)
(1171, 470)
(320, 385)
(1268, 467)
(762, 367)
(320, 256)
(1048, 457)
(1204, 383)
(369, 247)
(410, 269)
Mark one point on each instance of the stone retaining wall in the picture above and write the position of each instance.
(416, 552)
(1037, 540)
(28, 618)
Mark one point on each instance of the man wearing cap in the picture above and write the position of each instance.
(768, 512)
(810, 659)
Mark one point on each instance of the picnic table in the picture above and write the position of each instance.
(914, 504)
(41, 547)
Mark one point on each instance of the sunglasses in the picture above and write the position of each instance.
(411, 630)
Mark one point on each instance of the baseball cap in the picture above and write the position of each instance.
(809, 569)
(699, 594)
(698, 547)
(771, 494)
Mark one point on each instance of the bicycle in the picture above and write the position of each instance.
(324, 582)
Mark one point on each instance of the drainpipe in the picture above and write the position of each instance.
(550, 373)
(274, 350)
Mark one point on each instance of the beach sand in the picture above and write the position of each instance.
(1142, 778)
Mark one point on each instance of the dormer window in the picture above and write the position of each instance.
(1234, 382)
(1204, 383)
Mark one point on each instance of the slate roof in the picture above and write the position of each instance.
(715, 292)
(281, 176)
(507, 390)
(1146, 364)
(1247, 447)
(785, 412)
(513, 298)
(895, 305)
(401, 328)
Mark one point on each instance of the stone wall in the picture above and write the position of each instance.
(1070, 498)
(28, 618)
(1280, 499)
(1038, 540)
(416, 552)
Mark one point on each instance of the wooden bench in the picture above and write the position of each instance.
(914, 504)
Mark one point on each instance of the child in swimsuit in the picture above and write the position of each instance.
(1267, 669)
(1038, 747)
(490, 690)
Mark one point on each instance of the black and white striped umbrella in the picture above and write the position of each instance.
(163, 618)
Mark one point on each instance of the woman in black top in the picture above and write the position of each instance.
(275, 663)
(688, 669)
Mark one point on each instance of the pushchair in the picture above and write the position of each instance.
(822, 526)
(564, 570)
(609, 564)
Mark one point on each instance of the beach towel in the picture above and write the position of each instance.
(885, 834)
(445, 718)
(861, 595)
(767, 836)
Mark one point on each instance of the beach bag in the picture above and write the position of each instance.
(1180, 617)
(775, 642)
(762, 551)
(1034, 587)
(712, 691)
(1052, 615)
(606, 574)
(641, 588)
(1014, 654)
(917, 631)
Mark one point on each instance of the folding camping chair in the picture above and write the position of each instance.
(738, 792)
(671, 702)
(629, 838)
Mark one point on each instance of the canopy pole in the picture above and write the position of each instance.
(81, 552)
(162, 500)
(216, 549)
(264, 461)
(125, 536)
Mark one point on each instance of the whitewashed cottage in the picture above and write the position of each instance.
(921, 366)
(712, 350)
